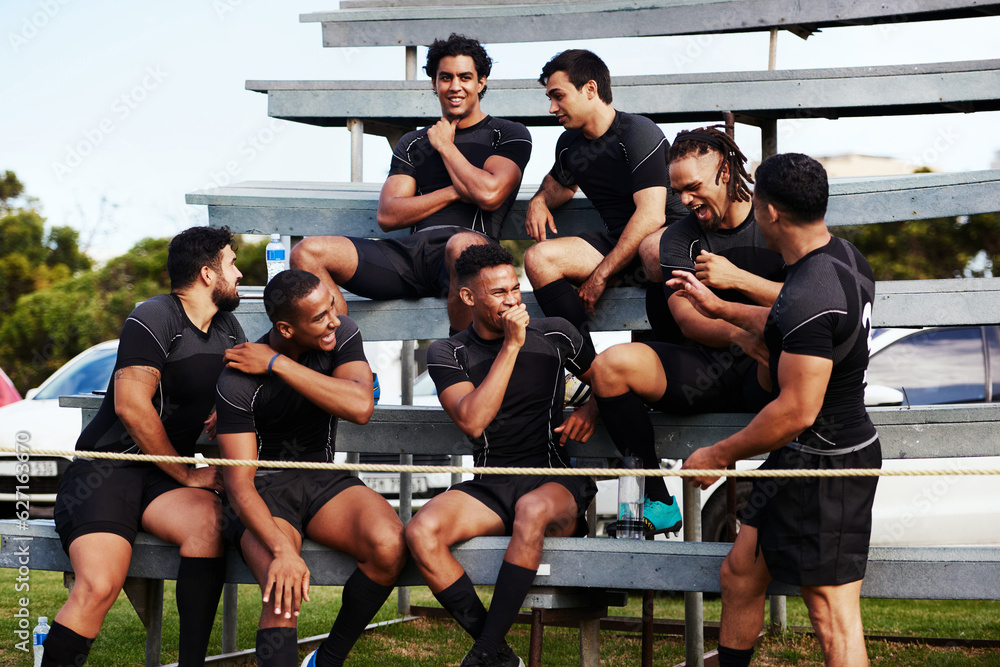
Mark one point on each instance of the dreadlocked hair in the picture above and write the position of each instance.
(704, 139)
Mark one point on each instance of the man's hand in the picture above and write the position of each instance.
(442, 134)
(706, 458)
(288, 578)
(755, 347)
(251, 358)
(210, 425)
(209, 477)
(580, 425)
(700, 297)
(538, 218)
(716, 271)
(591, 290)
(515, 322)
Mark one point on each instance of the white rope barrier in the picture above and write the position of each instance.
(493, 470)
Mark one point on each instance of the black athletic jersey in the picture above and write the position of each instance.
(288, 426)
(630, 156)
(414, 156)
(521, 433)
(825, 310)
(744, 246)
(159, 334)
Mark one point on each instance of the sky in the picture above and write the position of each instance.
(111, 111)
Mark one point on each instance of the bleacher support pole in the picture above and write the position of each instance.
(694, 613)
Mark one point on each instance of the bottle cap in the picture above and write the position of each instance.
(43, 620)
(275, 238)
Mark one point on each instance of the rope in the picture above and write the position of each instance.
(592, 472)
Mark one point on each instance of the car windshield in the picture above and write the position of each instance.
(89, 374)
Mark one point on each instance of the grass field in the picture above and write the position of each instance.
(432, 642)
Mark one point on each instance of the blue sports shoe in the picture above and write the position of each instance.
(661, 517)
(310, 660)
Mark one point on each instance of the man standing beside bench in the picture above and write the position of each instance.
(502, 382)
(619, 160)
(280, 399)
(720, 242)
(162, 390)
(451, 183)
(810, 532)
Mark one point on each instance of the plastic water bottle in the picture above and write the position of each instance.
(276, 256)
(631, 493)
(39, 634)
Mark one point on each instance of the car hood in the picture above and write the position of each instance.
(41, 424)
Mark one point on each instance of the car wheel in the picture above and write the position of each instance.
(713, 514)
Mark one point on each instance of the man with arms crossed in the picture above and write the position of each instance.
(502, 381)
(280, 399)
(451, 184)
(161, 392)
(619, 160)
(720, 242)
(810, 532)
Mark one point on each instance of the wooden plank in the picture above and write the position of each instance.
(304, 209)
(501, 23)
(811, 93)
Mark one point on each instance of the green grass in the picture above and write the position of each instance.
(435, 642)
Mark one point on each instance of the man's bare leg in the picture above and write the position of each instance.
(744, 579)
(556, 268)
(835, 612)
(332, 259)
(459, 315)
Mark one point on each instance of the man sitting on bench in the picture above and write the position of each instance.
(280, 399)
(811, 532)
(162, 390)
(451, 184)
(501, 381)
(720, 242)
(619, 160)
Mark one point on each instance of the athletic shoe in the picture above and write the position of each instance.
(507, 657)
(376, 388)
(577, 393)
(476, 658)
(310, 660)
(660, 517)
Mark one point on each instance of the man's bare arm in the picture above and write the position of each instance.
(135, 387)
(551, 194)
(803, 380)
(648, 217)
(399, 205)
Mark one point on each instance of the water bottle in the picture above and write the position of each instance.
(275, 255)
(631, 493)
(39, 634)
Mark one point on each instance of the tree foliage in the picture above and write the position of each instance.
(924, 249)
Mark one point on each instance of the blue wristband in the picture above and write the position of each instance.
(270, 366)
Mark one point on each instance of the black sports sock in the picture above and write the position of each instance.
(513, 582)
(277, 647)
(661, 321)
(627, 420)
(732, 657)
(461, 601)
(199, 586)
(361, 600)
(65, 648)
(559, 299)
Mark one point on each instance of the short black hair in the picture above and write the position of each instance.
(194, 248)
(459, 45)
(794, 183)
(580, 66)
(475, 258)
(284, 291)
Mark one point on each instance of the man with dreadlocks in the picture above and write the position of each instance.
(720, 243)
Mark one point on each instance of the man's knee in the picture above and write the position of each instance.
(459, 242)
(204, 527)
(533, 516)
(305, 253)
(388, 550)
(610, 368)
(422, 534)
(97, 591)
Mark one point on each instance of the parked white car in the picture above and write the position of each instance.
(39, 423)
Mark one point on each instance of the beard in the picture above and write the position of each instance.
(225, 297)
